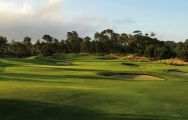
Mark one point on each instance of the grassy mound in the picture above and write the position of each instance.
(37, 60)
(72, 57)
(3, 64)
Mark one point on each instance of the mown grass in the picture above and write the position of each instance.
(38, 89)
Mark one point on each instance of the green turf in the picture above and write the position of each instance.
(37, 88)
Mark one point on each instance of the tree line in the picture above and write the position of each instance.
(104, 42)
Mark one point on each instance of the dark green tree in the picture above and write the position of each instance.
(47, 38)
(73, 42)
(28, 45)
(3, 46)
(18, 49)
(86, 45)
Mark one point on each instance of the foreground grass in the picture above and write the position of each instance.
(39, 89)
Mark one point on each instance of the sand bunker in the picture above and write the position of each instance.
(135, 77)
(63, 63)
(176, 72)
(130, 76)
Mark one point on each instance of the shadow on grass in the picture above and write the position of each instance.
(130, 64)
(32, 110)
(2, 64)
(72, 57)
(76, 69)
(2, 69)
(46, 78)
(37, 61)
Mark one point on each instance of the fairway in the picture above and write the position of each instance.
(71, 87)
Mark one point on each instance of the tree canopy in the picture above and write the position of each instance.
(106, 42)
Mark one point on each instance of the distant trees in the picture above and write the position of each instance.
(149, 51)
(28, 45)
(37, 47)
(3, 45)
(73, 42)
(182, 51)
(48, 47)
(161, 52)
(105, 42)
(86, 45)
(47, 38)
(18, 49)
(108, 41)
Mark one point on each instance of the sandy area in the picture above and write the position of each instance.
(136, 77)
(63, 63)
(177, 72)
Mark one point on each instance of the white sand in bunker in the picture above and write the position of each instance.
(63, 63)
(176, 72)
(136, 77)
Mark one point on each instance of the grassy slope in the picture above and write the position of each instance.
(39, 89)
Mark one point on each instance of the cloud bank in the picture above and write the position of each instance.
(26, 19)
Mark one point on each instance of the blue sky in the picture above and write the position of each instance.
(167, 18)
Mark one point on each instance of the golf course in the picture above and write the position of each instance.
(88, 87)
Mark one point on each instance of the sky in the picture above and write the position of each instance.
(34, 18)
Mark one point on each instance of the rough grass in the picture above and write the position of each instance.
(39, 89)
(175, 62)
(136, 58)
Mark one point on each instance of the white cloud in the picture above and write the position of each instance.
(25, 19)
(9, 10)
(51, 7)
